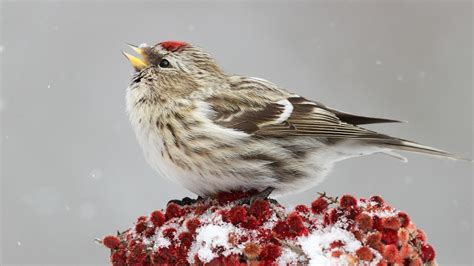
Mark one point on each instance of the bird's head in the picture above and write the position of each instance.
(173, 69)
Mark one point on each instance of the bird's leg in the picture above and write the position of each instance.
(260, 195)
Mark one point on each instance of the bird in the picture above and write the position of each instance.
(210, 131)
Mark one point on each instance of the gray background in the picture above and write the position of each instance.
(72, 169)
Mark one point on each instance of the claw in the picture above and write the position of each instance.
(260, 195)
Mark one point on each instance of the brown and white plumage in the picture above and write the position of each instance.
(213, 132)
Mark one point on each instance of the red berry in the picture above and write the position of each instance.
(420, 235)
(334, 215)
(260, 209)
(347, 201)
(111, 242)
(186, 239)
(157, 218)
(377, 224)
(353, 212)
(225, 215)
(326, 219)
(165, 256)
(427, 253)
(137, 254)
(364, 253)
(303, 209)
(296, 225)
(200, 209)
(390, 236)
(364, 221)
(270, 252)
(173, 210)
(336, 253)
(405, 251)
(377, 200)
(244, 238)
(390, 253)
(140, 226)
(358, 235)
(404, 219)
(281, 229)
(232, 260)
(118, 258)
(193, 224)
(403, 236)
(264, 235)
(250, 223)
(169, 233)
(373, 239)
(391, 222)
(319, 205)
(142, 219)
(336, 244)
(237, 214)
(150, 231)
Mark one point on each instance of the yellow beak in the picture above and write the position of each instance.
(136, 62)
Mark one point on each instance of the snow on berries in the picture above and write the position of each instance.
(224, 231)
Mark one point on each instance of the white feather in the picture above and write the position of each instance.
(286, 112)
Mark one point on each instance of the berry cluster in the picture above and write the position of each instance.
(222, 232)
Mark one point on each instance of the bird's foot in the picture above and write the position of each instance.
(251, 198)
(185, 201)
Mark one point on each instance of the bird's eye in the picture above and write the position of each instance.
(164, 63)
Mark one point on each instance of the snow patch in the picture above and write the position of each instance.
(315, 244)
(210, 237)
(288, 257)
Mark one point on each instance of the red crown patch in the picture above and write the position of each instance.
(172, 45)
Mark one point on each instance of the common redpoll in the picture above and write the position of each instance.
(211, 131)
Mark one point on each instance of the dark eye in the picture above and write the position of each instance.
(164, 63)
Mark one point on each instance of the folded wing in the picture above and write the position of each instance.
(261, 109)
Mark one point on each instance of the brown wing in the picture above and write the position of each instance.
(261, 109)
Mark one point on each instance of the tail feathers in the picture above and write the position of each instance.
(406, 145)
(362, 120)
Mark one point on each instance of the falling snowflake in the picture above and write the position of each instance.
(96, 173)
